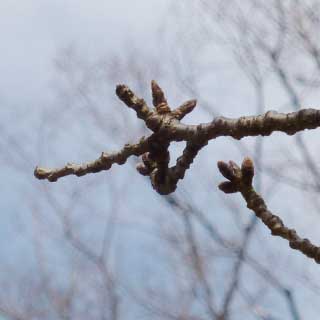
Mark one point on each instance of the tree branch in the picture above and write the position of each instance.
(166, 127)
(104, 162)
(240, 180)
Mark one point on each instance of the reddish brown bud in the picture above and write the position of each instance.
(157, 94)
(228, 187)
(247, 169)
(225, 170)
(184, 109)
(124, 94)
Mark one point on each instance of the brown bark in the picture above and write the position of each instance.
(166, 127)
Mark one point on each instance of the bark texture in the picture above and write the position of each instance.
(167, 127)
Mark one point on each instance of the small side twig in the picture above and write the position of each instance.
(240, 180)
(104, 162)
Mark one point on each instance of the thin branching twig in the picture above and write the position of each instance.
(167, 127)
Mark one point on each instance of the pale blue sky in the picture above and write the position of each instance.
(32, 33)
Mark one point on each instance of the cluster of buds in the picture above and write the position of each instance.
(166, 127)
(155, 162)
(240, 179)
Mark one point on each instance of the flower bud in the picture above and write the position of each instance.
(225, 170)
(228, 187)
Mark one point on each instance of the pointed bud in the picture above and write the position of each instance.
(124, 94)
(158, 98)
(157, 94)
(228, 187)
(225, 170)
(247, 170)
(184, 109)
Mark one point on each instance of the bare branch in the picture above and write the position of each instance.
(104, 162)
(167, 127)
(240, 180)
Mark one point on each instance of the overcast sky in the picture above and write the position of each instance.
(32, 34)
(33, 31)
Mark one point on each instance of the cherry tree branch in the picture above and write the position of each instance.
(240, 180)
(167, 127)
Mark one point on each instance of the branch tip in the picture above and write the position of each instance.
(226, 170)
(184, 109)
(158, 98)
(228, 187)
(247, 170)
(243, 184)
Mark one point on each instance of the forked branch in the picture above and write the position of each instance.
(240, 180)
(167, 127)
